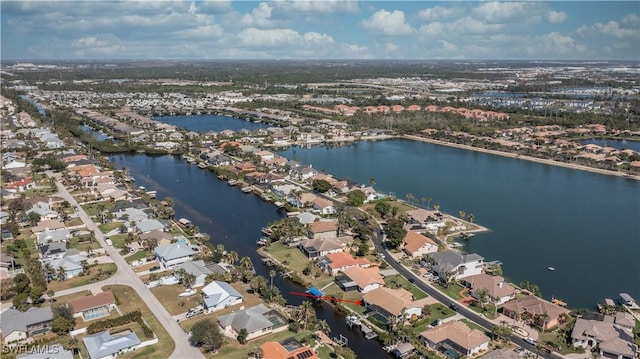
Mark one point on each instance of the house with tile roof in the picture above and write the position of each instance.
(499, 290)
(367, 279)
(17, 325)
(47, 225)
(219, 295)
(104, 345)
(275, 350)
(93, 306)
(314, 248)
(612, 339)
(324, 206)
(391, 303)
(457, 336)
(416, 245)
(323, 229)
(173, 254)
(256, 320)
(535, 310)
(332, 263)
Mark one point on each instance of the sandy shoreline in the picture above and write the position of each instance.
(521, 157)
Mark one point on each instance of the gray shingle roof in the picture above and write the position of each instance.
(251, 319)
(194, 267)
(175, 250)
(14, 320)
(449, 259)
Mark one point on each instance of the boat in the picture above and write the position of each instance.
(551, 268)
(221, 177)
(266, 231)
(232, 182)
(466, 235)
(352, 320)
(202, 165)
(247, 189)
(262, 241)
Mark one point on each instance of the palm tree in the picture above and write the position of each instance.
(323, 326)
(232, 257)
(436, 207)
(429, 199)
(462, 214)
(48, 270)
(272, 273)
(245, 262)
(372, 181)
(483, 296)
(62, 273)
(471, 217)
(305, 311)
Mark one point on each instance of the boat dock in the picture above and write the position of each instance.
(354, 321)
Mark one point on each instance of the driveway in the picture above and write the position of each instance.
(126, 276)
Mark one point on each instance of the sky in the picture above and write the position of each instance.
(321, 29)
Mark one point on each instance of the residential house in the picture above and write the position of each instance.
(336, 262)
(257, 321)
(51, 251)
(20, 185)
(149, 225)
(93, 306)
(265, 155)
(275, 350)
(453, 264)
(457, 336)
(47, 225)
(323, 205)
(219, 295)
(416, 244)
(535, 310)
(17, 325)
(105, 346)
(197, 269)
(391, 303)
(499, 291)
(422, 219)
(43, 209)
(367, 279)
(307, 217)
(60, 235)
(323, 229)
(303, 172)
(403, 350)
(171, 255)
(314, 248)
(71, 261)
(610, 338)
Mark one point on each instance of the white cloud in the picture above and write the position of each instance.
(632, 20)
(201, 32)
(192, 8)
(506, 12)
(438, 13)
(447, 46)
(268, 38)
(553, 44)
(317, 7)
(431, 30)
(469, 25)
(260, 16)
(317, 38)
(556, 17)
(389, 23)
(390, 47)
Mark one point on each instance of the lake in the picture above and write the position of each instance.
(586, 225)
(204, 123)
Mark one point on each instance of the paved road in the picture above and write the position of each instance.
(443, 298)
(126, 276)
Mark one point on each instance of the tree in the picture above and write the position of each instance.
(62, 326)
(232, 257)
(272, 273)
(471, 217)
(21, 283)
(501, 332)
(356, 198)
(245, 262)
(242, 336)
(320, 185)
(483, 296)
(306, 313)
(383, 208)
(206, 334)
(62, 273)
(7, 289)
(372, 181)
(395, 232)
(34, 218)
(462, 214)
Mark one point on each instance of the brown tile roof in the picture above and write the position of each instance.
(92, 301)
(414, 241)
(323, 226)
(275, 350)
(536, 306)
(344, 259)
(364, 276)
(393, 301)
(456, 332)
(496, 285)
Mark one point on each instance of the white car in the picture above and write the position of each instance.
(530, 340)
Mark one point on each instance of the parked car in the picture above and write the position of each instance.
(530, 340)
(152, 269)
(197, 310)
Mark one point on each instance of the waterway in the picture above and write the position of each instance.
(617, 144)
(231, 218)
(204, 123)
(586, 225)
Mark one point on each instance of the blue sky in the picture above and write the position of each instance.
(322, 29)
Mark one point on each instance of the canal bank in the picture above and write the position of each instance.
(233, 219)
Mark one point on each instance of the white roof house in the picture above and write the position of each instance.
(197, 268)
(104, 345)
(173, 254)
(219, 295)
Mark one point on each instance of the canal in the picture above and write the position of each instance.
(231, 218)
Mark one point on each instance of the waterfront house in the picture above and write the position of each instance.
(219, 295)
(535, 310)
(265, 155)
(610, 338)
(422, 219)
(499, 291)
(149, 225)
(93, 306)
(307, 217)
(173, 254)
(457, 336)
(48, 236)
(416, 245)
(451, 264)
(290, 350)
(47, 225)
(257, 321)
(391, 303)
(323, 229)
(367, 279)
(17, 325)
(332, 263)
(104, 345)
(195, 268)
(318, 247)
(324, 206)
(303, 172)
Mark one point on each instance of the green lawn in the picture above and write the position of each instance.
(81, 243)
(453, 290)
(398, 279)
(437, 311)
(108, 227)
(118, 240)
(473, 325)
(94, 209)
(289, 256)
(489, 310)
(553, 340)
(137, 255)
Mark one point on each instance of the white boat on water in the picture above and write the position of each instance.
(551, 268)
